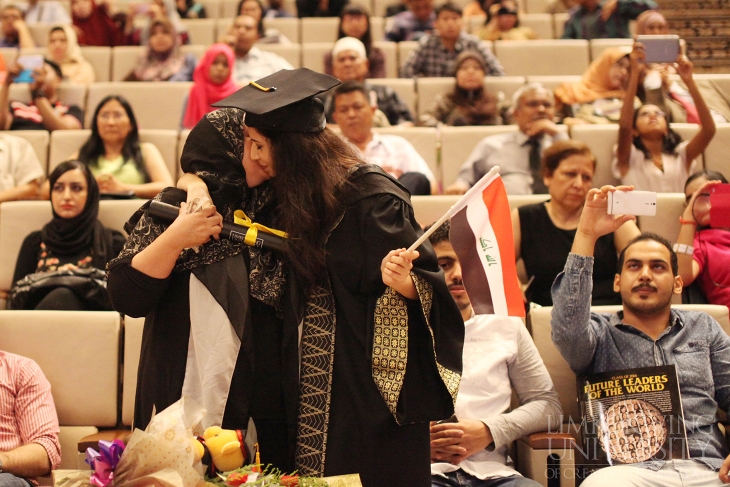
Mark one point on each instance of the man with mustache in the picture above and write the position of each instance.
(516, 153)
(648, 332)
(498, 354)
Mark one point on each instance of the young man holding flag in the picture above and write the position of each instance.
(498, 352)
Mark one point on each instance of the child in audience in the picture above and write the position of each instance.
(64, 50)
(355, 22)
(467, 103)
(163, 60)
(703, 250)
(94, 24)
(212, 82)
(73, 239)
(651, 156)
(115, 156)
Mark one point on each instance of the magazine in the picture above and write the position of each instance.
(630, 416)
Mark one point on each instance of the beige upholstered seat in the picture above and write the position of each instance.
(39, 31)
(546, 57)
(559, 22)
(428, 209)
(165, 112)
(287, 26)
(599, 45)
(68, 93)
(717, 154)
(404, 49)
(541, 23)
(200, 31)
(39, 139)
(390, 51)
(64, 143)
(78, 352)
(212, 8)
(313, 54)
(669, 207)
(423, 139)
(319, 29)
(403, 87)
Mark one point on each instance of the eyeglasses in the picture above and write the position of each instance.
(112, 116)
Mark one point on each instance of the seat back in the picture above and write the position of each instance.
(541, 23)
(228, 9)
(600, 45)
(39, 32)
(100, 58)
(68, 93)
(669, 207)
(287, 26)
(404, 49)
(552, 82)
(458, 142)
(78, 352)
(428, 209)
(559, 23)
(423, 139)
(319, 29)
(716, 154)
(403, 87)
(124, 59)
(547, 57)
(212, 8)
(200, 31)
(390, 52)
(313, 55)
(39, 139)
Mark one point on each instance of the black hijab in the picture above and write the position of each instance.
(84, 232)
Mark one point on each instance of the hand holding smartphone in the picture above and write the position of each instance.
(632, 203)
(29, 64)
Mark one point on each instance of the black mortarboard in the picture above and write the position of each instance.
(284, 101)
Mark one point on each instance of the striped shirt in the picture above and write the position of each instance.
(27, 412)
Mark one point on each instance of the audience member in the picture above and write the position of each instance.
(395, 8)
(505, 25)
(74, 239)
(703, 249)
(190, 9)
(559, 6)
(468, 102)
(320, 8)
(276, 10)
(117, 159)
(595, 19)
(162, 59)
(436, 53)
(516, 153)
(15, 31)
(45, 110)
(152, 13)
(473, 451)
(651, 22)
(412, 24)
(46, 12)
(599, 95)
(212, 81)
(94, 24)
(647, 333)
(29, 446)
(252, 63)
(353, 113)
(350, 63)
(255, 9)
(649, 154)
(64, 50)
(355, 22)
(20, 170)
(568, 167)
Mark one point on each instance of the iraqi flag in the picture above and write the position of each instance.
(481, 234)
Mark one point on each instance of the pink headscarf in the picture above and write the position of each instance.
(204, 92)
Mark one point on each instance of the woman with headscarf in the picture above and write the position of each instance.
(64, 50)
(598, 97)
(212, 81)
(94, 25)
(163, 60)
(468, 103)
(333, 388)
(158, 10)
(74, 239)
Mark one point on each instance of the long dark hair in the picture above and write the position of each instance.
(367, 38)
(311, 178)
(670, 141)
(94, 147)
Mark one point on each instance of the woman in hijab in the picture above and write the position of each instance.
(598, 97)
(94, 25)
(64, 50)
(212, 81)
(342, 221)
(158, 10)
(468, 103)
(73, 239)
(163, 60)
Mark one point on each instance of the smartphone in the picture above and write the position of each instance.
(660, 48)
(29, 63)
(720, 206)
(632, 203)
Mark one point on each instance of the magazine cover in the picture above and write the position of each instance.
(631, 416)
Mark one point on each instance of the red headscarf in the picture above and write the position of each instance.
(204, 92)
(98, 29)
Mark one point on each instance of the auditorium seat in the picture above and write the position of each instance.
(228, 9)
(212, 8)
(39, 32)
(404, 49)
(428, 209)
(536, 6)
(547, 57)
(559, 23)
(287, 26)
(669, 207)
(405, 88)
(67, 93)
(200, 31)
(313, 55)
(157, 105)
(390, 52)
(599, 45)
(541, 23)
(78, 352)
(717, 154)
(423, 139)
(428, 88)
(377, 28)
(319, 29)
(64, 143)
(552, 82)
(39, 139)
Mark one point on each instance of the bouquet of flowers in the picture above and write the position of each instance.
(252, 475)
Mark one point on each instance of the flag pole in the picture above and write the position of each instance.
(478, 188)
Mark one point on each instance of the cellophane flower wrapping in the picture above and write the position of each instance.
(163, 455)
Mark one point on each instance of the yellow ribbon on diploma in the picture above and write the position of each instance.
(240, 218)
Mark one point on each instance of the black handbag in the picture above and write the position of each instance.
(88, 284)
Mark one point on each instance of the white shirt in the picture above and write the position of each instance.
(644, 175)
(48, 12)
(19, 163)
(498, 355)
(258, 64)
(394, 153)
(510, 152)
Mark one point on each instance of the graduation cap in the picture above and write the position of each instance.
(284, 101)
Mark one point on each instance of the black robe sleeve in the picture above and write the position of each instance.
(27, 262)
(132, 292)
